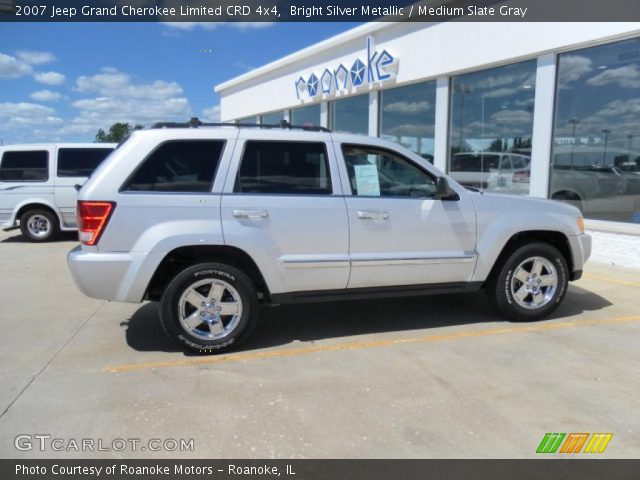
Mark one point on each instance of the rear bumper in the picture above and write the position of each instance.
(110, 276)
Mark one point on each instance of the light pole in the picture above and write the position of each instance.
(463, 89)
(574, 122)
(606, 132)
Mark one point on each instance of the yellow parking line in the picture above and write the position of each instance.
(291, 352)
(611, 280)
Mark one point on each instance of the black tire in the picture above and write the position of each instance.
(500, 288)
(173, 308)
(43, 227)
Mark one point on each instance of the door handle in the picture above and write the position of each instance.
(250, 214)
(372, 215)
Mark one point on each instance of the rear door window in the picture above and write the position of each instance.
(293, 168)
(178, 166)
(25, 166)
(80, 162)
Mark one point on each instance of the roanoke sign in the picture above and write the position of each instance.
(377, 67)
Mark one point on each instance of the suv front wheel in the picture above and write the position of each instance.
(209, 307)
(531, 283)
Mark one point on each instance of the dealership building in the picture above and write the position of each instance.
(549, 110)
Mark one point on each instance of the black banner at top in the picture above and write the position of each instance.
(319, 10)
(552, 469)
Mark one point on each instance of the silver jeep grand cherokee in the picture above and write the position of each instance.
(213, 221)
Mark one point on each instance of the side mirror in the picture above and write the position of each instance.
(444, 191)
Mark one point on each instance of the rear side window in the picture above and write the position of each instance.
(178, 166)
(80, 162)
(30, 166)
(293, 168)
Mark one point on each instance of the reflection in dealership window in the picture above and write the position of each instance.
(596, 148)
(407, 116)
(306, 116)
(350, 114)
(491, 128)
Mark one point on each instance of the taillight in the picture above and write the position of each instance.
(522, 176)
(92, 219)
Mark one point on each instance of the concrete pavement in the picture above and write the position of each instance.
(434, 377)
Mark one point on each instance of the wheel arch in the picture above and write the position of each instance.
(186, 256)
(24, 207)
(557, 239)
(561, 196)
(565, 191)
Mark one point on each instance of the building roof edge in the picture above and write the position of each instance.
(331, 42)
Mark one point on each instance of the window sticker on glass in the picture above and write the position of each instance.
(367, 181)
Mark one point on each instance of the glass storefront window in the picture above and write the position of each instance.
(248, 120)
(272, 118)
(491, 128)
(407, 117)
(350, 114)
(309, 115)
(596, 141)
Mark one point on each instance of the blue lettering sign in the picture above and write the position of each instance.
(379, 67)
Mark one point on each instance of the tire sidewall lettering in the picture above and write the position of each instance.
(562, 275)
(214, 273)
(202, 347)
(507, 287)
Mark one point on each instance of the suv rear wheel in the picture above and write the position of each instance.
(531, 283)
(39, 225)
(209, 307)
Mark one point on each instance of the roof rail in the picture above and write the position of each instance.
(195, 123)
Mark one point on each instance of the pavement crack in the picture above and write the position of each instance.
(53, 357)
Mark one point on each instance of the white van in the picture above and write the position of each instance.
(38, 185)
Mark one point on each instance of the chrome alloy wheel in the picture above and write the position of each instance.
(534, 282)
(38, 226)
(210, 309)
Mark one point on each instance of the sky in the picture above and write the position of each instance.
(64, 81)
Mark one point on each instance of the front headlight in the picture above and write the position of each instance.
(580, 222)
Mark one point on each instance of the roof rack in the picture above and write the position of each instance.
(195, 123)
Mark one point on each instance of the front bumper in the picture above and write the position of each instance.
(110, 276)
(581, 251)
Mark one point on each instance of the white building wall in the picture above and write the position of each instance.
(425, 51)
(433, 52)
